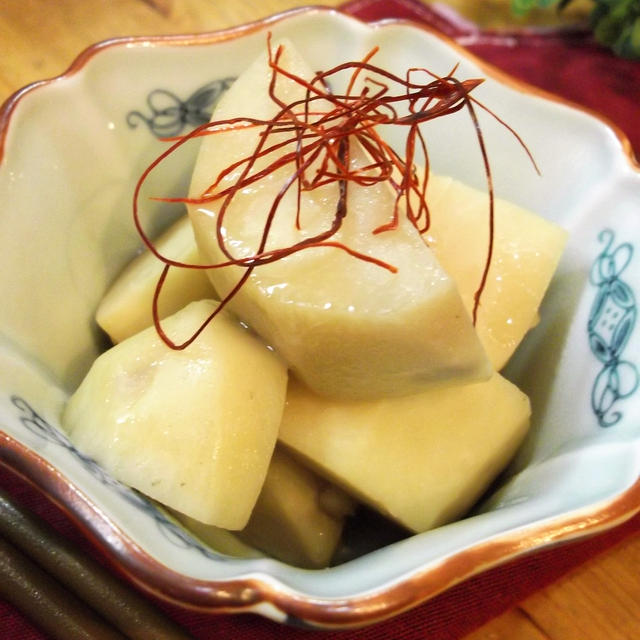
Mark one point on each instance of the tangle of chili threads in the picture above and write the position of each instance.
(323, 136)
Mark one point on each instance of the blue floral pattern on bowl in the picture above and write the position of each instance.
(169, 115)
(612, 320)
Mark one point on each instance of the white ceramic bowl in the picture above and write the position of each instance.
(72, 149)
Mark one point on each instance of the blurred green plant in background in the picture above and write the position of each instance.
(615, 23)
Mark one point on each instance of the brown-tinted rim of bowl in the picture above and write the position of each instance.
(237, 595)
(10, 104)
(247, 594)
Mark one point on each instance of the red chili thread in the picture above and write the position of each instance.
(321, 138)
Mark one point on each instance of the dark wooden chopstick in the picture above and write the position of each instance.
(45, 603)
(42, 592)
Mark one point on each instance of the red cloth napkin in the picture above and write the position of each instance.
(569, 64)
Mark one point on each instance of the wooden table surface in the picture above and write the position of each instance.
(40, 38)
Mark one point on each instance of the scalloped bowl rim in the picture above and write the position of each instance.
(264, 588)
